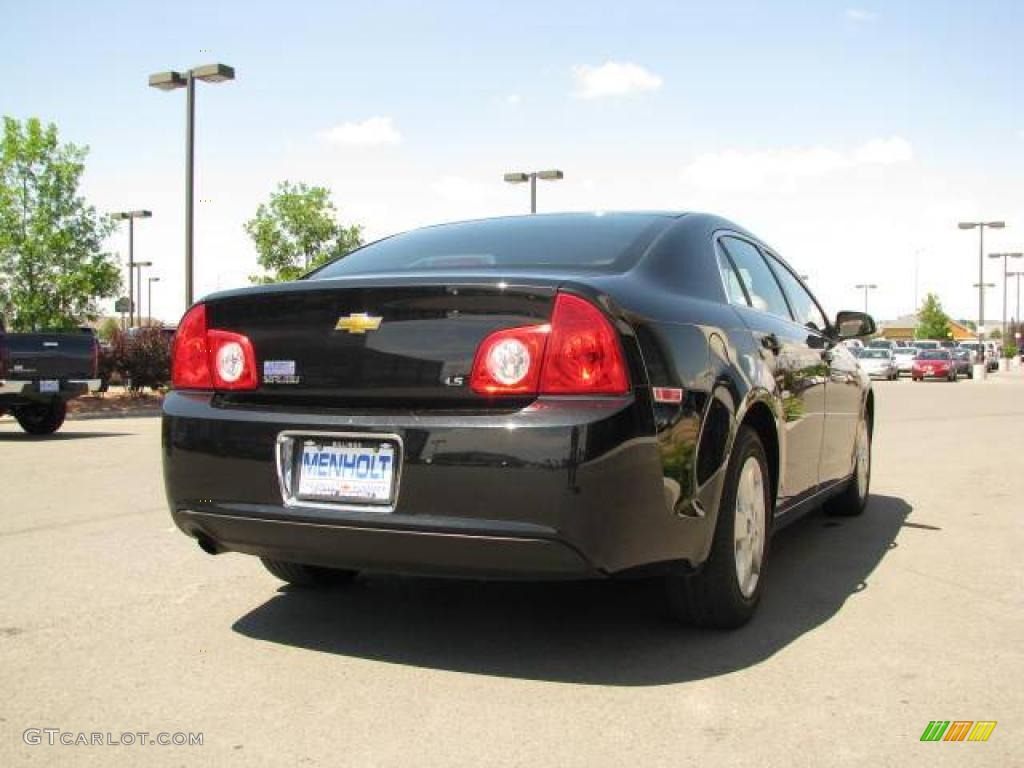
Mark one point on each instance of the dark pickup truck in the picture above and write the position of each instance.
(40, 372)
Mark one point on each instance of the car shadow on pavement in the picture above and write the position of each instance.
(24, 437)
(600, 632)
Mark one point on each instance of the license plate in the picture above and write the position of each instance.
(49, 385)
(359, 472)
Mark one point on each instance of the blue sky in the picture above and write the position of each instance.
(850, 135)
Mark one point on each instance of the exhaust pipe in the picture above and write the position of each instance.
(208, 545)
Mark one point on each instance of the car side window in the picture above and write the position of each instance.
(806, 309)
(733, 288)
(761, 285)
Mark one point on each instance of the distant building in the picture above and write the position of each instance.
(904, 327)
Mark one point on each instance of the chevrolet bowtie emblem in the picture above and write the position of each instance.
(358, 322)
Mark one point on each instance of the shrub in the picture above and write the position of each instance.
(1010, 351)
(108, 328)
(142, 358)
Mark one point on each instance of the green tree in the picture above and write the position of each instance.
(108, 327)
(53, 267)
(297, 231)
(932, 322)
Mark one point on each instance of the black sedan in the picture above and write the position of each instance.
(562, 396)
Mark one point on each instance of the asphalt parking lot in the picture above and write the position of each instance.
(111, 621)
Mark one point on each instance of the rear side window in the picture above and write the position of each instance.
(761, 285)
(807, 311)
(601, 242)
(731, 281)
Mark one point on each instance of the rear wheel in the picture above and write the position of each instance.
(725, 592)
(41, 418)
(854, 496)
(301, 575)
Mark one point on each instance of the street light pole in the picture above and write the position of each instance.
(1005, 257)
(980, 226)
(169, 81)
(139, 265)
(1017, 324)
(131, 216)
(190, 214)
(866, 287)
(150, 287)
(519, 177)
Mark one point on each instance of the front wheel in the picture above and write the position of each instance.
(854, 497)
(725, 592)
(41, 418)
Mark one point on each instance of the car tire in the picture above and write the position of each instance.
(41, 418)
(725, 591)
(852, 500)
(300, 575)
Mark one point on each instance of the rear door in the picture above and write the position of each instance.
(791, 351)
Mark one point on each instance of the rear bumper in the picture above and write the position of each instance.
(366, 547)
(563, 488)
(68, 388)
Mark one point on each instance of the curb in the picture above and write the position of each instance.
(141, 413)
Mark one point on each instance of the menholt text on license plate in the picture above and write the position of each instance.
(347, 471)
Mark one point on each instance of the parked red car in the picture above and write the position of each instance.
(934, 363)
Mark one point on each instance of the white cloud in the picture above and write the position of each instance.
(889, 151)
(512, 100)
(860, 15)
(613, 78)
(744, 169)
(374, 131)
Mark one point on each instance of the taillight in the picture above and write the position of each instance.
(583, 355)
(232, 360)
(508, 362)
(577, 353)
(204, 358)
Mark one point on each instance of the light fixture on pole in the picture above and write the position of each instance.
(169, 81)
(131, 216)
(150, 281)
(980, 226)
(865, 287)
(1005, 257)
(1017, 324)
(138, 282)
(518, 177)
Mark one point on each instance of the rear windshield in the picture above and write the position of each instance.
(933, 354)
(875, 353)
(601, 242)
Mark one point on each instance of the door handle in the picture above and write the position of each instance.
(771, 342)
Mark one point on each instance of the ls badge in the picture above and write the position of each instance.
(358, 322)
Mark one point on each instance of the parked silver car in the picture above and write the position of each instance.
(905, 360)
(879, 363)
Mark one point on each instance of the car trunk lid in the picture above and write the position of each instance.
(362, 341)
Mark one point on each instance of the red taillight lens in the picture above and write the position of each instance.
(583, 355)
(190, 356)
(577, 353)
(508, 362)
(205, 358)
(232, 360)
